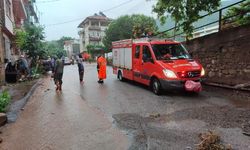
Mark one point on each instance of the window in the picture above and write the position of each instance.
(170, 51)
(146, 52)
(137, 51)
(8, 8)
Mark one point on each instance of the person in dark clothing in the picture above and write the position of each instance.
(58, 74)
(80, 69)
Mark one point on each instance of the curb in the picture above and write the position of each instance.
(15, 107)
(226, 86)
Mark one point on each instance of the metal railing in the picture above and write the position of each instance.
(219, 21)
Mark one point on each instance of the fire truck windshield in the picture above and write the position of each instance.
(170, 51)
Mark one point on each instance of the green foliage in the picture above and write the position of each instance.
(31, 41)
(20, 38)
(184, 12)
(143, 25)
(53, 48)
(163, 35)
(239, 14)
(4, 100)
(62, 40)
(126, 27)
(96, 49)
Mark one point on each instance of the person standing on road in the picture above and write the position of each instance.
(24, 66)
(80, 69)
(58, 74)
(101, 68)
(52, 63)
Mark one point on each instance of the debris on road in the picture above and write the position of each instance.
(128, 121)
(3, 118)
(154, 115)
(47, 90)
(211, 141)
(245, 133)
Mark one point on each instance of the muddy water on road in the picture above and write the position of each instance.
(61, 121)
(118, 115)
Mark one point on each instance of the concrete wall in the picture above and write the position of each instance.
(9, 18)
(225, 55)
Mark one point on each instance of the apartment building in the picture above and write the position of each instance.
(92, 30)
(13, 15)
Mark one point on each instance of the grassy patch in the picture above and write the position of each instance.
(4, 100)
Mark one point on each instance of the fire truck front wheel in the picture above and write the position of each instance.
(119, 76)
(156, 86)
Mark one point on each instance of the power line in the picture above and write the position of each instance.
(117, 6)
(47, 1)
(83, 18)
(64, 22)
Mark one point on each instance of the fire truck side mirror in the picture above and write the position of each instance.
(191, 54)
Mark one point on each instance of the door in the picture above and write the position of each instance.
(136, 61)
(147, 65)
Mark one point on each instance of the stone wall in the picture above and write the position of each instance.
(225, 55)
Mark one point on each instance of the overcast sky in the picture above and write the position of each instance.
(58, 12)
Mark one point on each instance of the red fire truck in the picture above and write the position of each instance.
(161, 64)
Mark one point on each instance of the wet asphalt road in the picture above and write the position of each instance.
(120, 115)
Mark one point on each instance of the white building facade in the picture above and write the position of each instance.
(72, 47)
(8, 28)
(92, 30)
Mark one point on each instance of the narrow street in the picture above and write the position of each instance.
(121, 115)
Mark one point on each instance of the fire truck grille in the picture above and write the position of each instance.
(189, 74)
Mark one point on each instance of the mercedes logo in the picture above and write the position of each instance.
(190, 74)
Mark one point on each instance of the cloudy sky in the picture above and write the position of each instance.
(61, 17)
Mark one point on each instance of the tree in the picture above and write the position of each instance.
(126, 27)
(20, 38)
(239, 15)
(94, 50)
(62, 40)
(184, 12)
(53, 49)
(30, 40)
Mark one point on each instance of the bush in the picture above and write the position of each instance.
(4, 100)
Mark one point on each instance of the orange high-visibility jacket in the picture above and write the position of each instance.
(101, 61)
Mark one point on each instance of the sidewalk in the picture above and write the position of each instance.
(20, 93)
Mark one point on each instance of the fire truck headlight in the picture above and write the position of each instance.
(202, 72)
(169, 73)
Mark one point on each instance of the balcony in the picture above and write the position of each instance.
(96, 28)
(81, 32)
(91, 38)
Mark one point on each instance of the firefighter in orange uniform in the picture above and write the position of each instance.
(101, 68)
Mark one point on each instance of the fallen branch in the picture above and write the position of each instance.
(211, 141)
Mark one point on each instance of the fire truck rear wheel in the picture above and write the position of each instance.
(156, 86)
(119, 76)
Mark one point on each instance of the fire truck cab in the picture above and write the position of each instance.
(161, 64)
